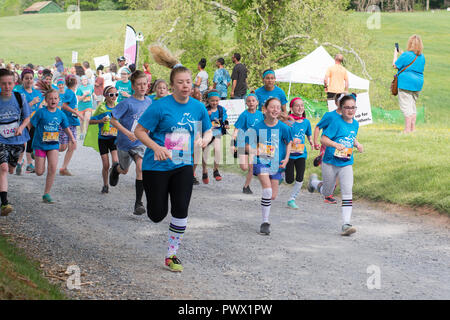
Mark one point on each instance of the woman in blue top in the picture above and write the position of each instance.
(270, 90)
(272, 155)
(123, 86)
(222, 79)
(241, 136)
(47, 122)
(410, 81)
(106, 132)
(85, 92)
(339, 138)
(169, 129)
(300, 127)
(70, 109)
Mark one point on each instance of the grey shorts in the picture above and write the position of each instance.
(329, 175)
(126, 157)
(10, 153)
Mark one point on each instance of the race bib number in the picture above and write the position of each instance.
(177, 141)
(50, 137)
(112, 132)
(215, 124)
(265, 150)
(297, 148)
(9, 130)
(344, 154)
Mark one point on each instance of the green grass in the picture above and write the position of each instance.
(20, 279)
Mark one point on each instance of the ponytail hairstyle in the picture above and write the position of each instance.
(163, 57)
(45, 88)
(292, 103)
(202, 63)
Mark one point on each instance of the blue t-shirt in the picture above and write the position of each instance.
(174, 126)
(298, 131)
(112, 133)
(47, 128)
(70, 98)
(30, 96)
(61, 98)
(246, 121)
(328, 118)
(344, 133)
(83, 105)
(263, 95)
(222, 79)
(412, 78)
(271, 144)
(214, 116)
(10, 113)
(122, 86)
(128, 113)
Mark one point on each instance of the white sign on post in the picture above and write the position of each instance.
(103, 60)
(363, 111)
(74, 56)
(234, 109)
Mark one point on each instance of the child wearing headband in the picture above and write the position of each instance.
(270, 90)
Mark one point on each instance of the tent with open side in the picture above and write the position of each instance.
(312, 68)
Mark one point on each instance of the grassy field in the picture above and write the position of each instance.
(21, 279)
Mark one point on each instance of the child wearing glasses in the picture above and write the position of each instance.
(106, 132)
(339, 138)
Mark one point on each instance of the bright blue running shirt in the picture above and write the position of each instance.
(128, 113)
(86, 103)
(174, 126)
(344, 133)
(271, 144)
(263, 95)
(298, 131)
(103, 134)
(70, 98)
(328, 118)
(246, 121)
(214, 116)
(10, 119)
(46, 136)
(30, 96)
(412, 78)
(122, 86)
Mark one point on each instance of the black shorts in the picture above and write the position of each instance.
(331, 95)
(106, 145)
(30, 142)
(299, 166)
(10, 153)
(158, 185)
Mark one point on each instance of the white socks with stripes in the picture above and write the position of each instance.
(266, 202)
(347, 205)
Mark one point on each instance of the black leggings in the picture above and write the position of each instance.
(30, 142)
(299, 165)
(159, 184)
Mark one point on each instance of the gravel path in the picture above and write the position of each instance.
(223, 254)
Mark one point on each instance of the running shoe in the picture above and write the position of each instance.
(310, 186)
(47, 199)
(217, 175)
(105, 189)
(195, 181)
(65, 172)
(114, 175)
(19, 168)
(330, 199)
(174, 264)
(30, 168)
(265, 228)
(347, 229)
(139, 209)
(6, 209)
(247, 190)
(205, 178)
(291, 204)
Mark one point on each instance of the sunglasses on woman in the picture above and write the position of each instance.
(113, 94)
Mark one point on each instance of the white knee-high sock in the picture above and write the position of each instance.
(347, 205)
(296, 190)
(266, 202)
(176, 232)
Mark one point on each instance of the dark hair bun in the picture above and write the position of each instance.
(202, 63)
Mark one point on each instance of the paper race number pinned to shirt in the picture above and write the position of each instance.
(50, 137)
(297, 148)
(9, 130)
(176, 141)
(266, 151)
(344, 154)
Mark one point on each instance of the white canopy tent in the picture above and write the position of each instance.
(312, 69)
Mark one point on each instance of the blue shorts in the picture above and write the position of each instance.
(260, 168)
